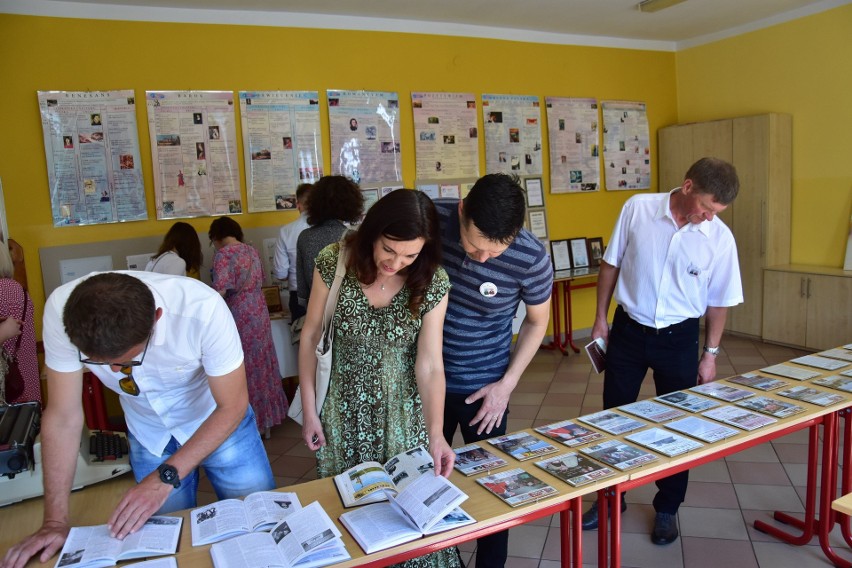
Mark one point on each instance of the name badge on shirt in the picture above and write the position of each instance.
(488, 289)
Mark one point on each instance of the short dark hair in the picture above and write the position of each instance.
(335, 197)
(402, 215)
(715, 177)
(108, 314)
(183, 239)
(224, 227)
(497, 206)
(302, 191)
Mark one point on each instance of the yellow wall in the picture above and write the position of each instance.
(803, 68)
(41, 53)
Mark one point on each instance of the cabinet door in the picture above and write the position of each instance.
(829, 324)
(785, 317)
(675, 155)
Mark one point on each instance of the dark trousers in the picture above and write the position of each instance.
(491, 550)
(296, 310)
(672, 354)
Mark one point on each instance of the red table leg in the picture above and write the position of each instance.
(556, 318)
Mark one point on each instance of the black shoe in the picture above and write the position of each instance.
(665, 529)
(590, 517)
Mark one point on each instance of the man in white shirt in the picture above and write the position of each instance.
(169, 347)
(284, 263)
(669, 261)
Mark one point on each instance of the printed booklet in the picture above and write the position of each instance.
(370, 482)
(612, 422)
(757, 382)
(790, 372)
(820, 362)
(429, 505)
(843, 383)
(812, 395)
(688, 401)
(705, 430)
(596, 350)
(569, 433)
(574, 469)
(516, 487)
(740, 417)
(231, 517)
(92, 547)
(522, 446)
(771, 406)
(618, 454)
(651, 411)
(474, 459)
(842, 354)
(664, 442)
(306, 539)
(722, 392)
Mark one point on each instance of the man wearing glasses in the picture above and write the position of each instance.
(170, 348)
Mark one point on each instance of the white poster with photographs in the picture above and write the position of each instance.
(512, 134)
(626, 145)
(364, 129)
(446, 137)
(572, 126)
(91, 142)
(194, 153)
(282, 145)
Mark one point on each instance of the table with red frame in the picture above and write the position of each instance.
(560, 305)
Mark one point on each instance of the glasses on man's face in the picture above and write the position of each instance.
(128, 383)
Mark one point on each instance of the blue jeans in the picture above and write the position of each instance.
(236, 468)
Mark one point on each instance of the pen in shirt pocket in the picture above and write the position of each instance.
(693, 270)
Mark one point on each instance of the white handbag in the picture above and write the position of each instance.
(323, 351)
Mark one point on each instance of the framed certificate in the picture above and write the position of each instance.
(579, 253)
(560, 255)
(596, 250)
(538, 223)
(535, 195)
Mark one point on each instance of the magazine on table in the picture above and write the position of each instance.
(569, 433)
(722, 391)
(574, 469)
(428, 505)
(790, 372)
(93, 547)
(619, 454)
(842, 354)
(664, 442)
(165, 562)
(231, 517)
(688, 401)
(705, 430)
(846, 373)
(740, 417)
(772, 406)
(758, 382)
(651, 411)
(473, 459)
(612, 422)
(812, 395)
(522, 446)
(824, 363)
(371, 482)
(308, 538)
(843, 383)
(516, 487)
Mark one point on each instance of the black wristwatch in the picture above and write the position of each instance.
(169, 475)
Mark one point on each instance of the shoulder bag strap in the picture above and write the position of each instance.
(334, 291)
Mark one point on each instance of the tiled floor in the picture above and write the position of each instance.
(723, 500)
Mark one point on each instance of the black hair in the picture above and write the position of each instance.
(497, 206)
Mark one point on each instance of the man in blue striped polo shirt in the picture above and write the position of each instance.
(493, 264)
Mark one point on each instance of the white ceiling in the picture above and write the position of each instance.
(594, 22)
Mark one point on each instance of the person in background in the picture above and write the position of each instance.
(237, 274)
(386, 393)
(493, 264)
(16, 313)
(284, 262)
(333, 201)
(670, 260)
(179, 253)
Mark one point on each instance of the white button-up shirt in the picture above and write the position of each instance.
(284, 263)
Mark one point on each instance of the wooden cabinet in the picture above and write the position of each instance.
(760, 148)
(807, 306)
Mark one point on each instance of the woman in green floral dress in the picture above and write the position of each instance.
(386, 393)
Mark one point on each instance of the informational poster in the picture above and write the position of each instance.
(364, 129)
(94, 171)
(282, 145)
(194, 151)
(572, 126)
(512, 134)
(626, 145)
(446, 137)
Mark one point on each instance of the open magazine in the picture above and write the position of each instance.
(231, 517)
(93, 547)
(371, 482)
(427, 505)
(306, 539)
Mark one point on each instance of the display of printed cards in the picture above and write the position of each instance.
(812, 395)
(611, 422)
(688, 401)
(664, 442)
(722, 392)
(843, 383)
(474, 459)
(619, 454)
(516, 486)
(757, 382)
(574, 469)
(739, 417)
(842, 354)
(771, 406)
(820, 362)
(522, 446)
(569, 433)
(705, 430)
(790, 372)
(652, 411)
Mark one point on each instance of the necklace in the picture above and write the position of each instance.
(381, 286)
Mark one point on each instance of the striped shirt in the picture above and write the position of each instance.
(478, 327)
